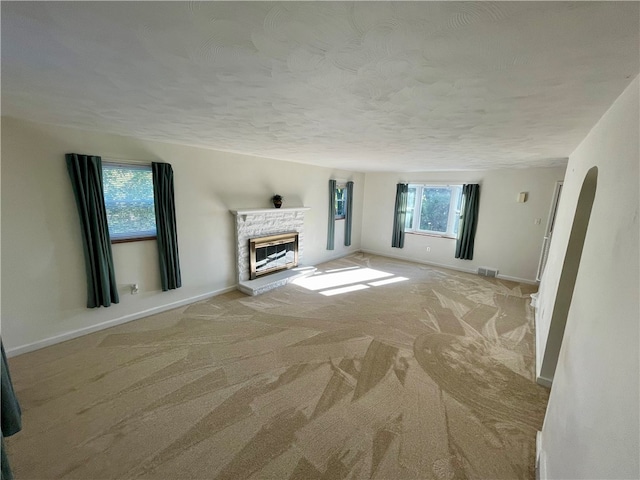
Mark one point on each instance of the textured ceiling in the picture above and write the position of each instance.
(381, 86)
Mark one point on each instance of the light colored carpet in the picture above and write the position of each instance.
(416, 373)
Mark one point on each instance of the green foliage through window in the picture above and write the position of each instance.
(434, 209)
(341, 201)
(128, 196)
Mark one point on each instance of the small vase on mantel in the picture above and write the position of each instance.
(277, 201)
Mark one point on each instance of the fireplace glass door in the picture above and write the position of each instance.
(273, 253)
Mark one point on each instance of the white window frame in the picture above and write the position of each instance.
(456, 192)
(133, 235)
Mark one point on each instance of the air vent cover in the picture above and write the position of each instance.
(487, 272)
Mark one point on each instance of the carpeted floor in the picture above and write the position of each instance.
(373, 368)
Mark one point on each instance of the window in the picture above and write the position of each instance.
(128, 197)
(434, 209)
(341, 201)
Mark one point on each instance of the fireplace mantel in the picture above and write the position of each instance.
(257, 211)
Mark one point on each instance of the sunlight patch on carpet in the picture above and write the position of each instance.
(349, 279)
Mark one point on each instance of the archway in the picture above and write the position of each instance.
(569, 274)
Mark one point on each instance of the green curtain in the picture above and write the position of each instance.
(468, 221)
(400, 215)
(11, 414)
(85, 172)
(348, 217)
(167, 235)
(331, 227)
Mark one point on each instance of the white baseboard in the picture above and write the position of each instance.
(63, 337)
(538, 345)
(450, 267)
(338, 256)
(517, 279)
(417, 260)
(541, 463)
(540, 380)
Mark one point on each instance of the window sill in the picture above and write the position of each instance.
(134, 239)
(424, 234)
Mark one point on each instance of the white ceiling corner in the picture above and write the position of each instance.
(365, 86)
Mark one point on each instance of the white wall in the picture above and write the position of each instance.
(507, 237)
(591, 429)
(43, 287)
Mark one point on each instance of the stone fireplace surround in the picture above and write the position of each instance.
(261, 222)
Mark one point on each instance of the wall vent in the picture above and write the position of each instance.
(487, 272)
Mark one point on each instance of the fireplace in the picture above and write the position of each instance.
(273, 253)
(256, 224)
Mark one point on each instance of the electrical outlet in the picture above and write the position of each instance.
(537, 221)
(428, 249)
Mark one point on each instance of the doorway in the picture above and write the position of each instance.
(551, 222)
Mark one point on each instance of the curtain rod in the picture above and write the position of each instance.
(443, 184)
(126, 161)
